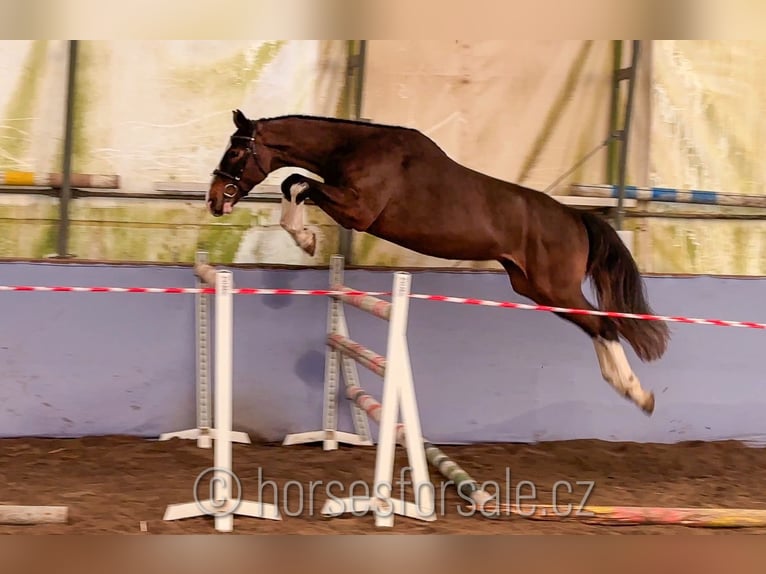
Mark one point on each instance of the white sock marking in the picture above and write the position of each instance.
(617, 372)
(292, 220)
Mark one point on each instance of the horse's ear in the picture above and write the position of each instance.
(240, 119)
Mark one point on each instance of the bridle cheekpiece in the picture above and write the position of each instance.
(235, 179)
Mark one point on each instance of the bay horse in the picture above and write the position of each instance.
(397, 184)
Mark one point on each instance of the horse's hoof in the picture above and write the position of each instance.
(648, 406)
(312, 245)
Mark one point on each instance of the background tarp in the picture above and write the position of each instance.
(525, 111)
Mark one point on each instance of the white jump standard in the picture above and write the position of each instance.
(204, 275)
(398, 393)
(330, 436)
(395, 370)
(222, 505)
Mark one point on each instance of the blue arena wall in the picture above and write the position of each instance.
(76, 364)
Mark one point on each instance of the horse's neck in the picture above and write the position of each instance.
(302, 142)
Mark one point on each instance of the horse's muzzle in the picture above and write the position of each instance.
(220, 206)
(215, 207)
(229, 198)
(225, 208)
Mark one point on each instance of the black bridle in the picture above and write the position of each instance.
(238, 177)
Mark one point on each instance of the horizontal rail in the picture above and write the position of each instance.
(464, 483)
(78, 193)
(368, 303)
(29, 178)
(202, 187)
(270, 193)
(271, 198)
(367, 358)
(261, 193)
(205, 272)
(592, 202)
(673, 195)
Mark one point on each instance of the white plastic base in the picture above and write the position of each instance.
(329, 439)
(204, 437)
(224, 522)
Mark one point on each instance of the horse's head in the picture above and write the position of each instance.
(239, 170)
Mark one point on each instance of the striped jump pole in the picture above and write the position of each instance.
(670, 195)
(464, 483)
(224, 503)
(35, 179)
(646, 515)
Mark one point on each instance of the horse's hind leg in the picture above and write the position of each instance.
(612, 361)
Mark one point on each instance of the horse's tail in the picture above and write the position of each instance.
(619, 287)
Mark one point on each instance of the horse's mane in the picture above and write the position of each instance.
(334, 120)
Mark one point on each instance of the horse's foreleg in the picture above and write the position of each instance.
(293, 215)
(344, 204)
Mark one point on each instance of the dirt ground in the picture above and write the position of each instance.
(113, 484)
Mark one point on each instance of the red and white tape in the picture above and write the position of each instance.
(178, 290)
(439, 298)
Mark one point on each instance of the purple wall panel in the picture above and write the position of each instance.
(90, 364)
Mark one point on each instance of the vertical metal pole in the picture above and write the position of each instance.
(612, 153)
(360, 79)
(66, 190)
(356, 64)
(626, 136)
